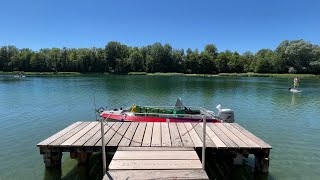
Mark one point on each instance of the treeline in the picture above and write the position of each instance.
(297, 56)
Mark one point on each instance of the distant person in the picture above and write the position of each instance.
(295, 83)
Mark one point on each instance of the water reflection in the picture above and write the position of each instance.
(293, 99)
(53, 173)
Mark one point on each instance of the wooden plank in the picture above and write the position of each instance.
(185, 137)
(241, 136)
(155, 149)
(165, 134)
(88, 135)
(231, 136)
(58, 134)
(155, 155)
(147, 134)
(254, 138)
(194, 136)
(127, 138)
(222, 136)
(155, 174)
(156, 134)
(199, 130)
(69, 134)
(154, 164)
(97, 136)
(138, 135)
(107, 136)
(78, 135)
(119, 135)
(219, 144)
(175, 136)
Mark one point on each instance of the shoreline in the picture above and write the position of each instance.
(250, 74)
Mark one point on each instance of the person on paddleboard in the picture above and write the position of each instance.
(295, 83)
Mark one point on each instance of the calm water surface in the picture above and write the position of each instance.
(33, 108)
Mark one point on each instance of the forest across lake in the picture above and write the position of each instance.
(296, 56)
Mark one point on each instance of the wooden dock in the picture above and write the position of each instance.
(155, 163)
(83, 138)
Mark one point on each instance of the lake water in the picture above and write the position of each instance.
(33, 108)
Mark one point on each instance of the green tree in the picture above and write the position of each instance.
(192, 61)
(38, 62)
(115, 53)
(136, 61)
(263, 61)
(222, 61)
(248, 59)
(235, 63)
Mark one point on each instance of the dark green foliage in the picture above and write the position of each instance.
(297, 56)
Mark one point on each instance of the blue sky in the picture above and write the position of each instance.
(242, 25)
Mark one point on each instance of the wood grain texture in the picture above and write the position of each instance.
(231, 136)
(155, 174)
(88, 135)
(58, 134)
(241, 136)
(217, 141)
(69, 134)
(127, 138)
(194, 136)
(165, 135)
(147, 134)
(155, 148)
(156, 134)
(138, 136)
(118, 136)
(97, 136)
(154, 164)
(229, 143)
(185, 137)
(107, 136)
(198, 128)
(78, 135)
(175, 135)
(135, 155)
(254, 138)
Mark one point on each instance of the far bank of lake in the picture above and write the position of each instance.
(249, 74)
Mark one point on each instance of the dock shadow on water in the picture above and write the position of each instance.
(70, 170)
(221, 167)
(218, 167)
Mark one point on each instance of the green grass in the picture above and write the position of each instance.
(165, 74)
(251, 74)
(38, 73)
(137, 73)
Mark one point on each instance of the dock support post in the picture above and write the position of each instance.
(262, 162)
(52, 159)
(204, 143)
(104, 161)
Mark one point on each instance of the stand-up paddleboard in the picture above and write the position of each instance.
(295, 90)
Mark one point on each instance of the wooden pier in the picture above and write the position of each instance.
(81, 139)
(155, 163)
